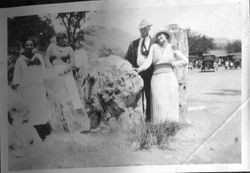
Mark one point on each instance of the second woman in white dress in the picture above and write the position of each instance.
(60, 60)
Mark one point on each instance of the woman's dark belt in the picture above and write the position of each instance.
(163, 68)
(64, 59)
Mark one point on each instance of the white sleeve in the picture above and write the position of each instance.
(41, 60)
(72, 57)
(17, 72)
(148, 61)
(47, 56)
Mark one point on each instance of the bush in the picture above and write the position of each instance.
(148, 135)
(105, 51)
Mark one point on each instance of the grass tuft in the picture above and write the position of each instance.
(148, 135)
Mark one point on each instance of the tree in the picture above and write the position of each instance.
(198, 43)
(233, 47)
(72, 23)
(20, 28)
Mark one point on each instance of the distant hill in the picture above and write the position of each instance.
(113, 38)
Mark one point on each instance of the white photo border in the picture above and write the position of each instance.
(118, 4)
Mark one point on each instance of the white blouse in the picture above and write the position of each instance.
(59, 52)
(160, 55)
(26, 75)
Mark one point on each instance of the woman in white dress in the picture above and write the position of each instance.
(60, 60)
(28, 80)
(164, 86)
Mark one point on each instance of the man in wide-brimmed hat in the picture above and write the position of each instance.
(137, 53)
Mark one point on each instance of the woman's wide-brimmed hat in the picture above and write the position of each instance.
(144, 24)
(166, 32)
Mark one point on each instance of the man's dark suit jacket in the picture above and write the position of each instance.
(131, 55)
(146, 75)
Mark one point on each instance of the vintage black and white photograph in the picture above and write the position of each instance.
(128, 86)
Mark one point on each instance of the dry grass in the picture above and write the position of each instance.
(148, 135)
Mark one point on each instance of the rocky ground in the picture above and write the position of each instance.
(213, 98)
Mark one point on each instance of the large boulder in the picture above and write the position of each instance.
(112, 92)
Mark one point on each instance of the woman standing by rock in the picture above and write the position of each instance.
(65, 106)
(28, 80)
(164, 85)
(60, 60)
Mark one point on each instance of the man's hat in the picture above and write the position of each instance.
(144, 24)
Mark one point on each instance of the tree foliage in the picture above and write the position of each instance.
(21, 28)
(72, 22)
(233, 47)
(105, 51)
(198, 43)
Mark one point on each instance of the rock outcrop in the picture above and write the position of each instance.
(180, 41)
(112, 93)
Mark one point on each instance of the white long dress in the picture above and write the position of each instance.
(164, 85)
(64, 86)
(32, 89)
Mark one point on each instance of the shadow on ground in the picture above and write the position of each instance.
(225, 92)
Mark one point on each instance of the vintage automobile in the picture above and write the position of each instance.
(236, 59)
(237, 63)
(208, 62)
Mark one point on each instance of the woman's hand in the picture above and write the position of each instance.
(15, 86)
(62, 69)
(137, 70)
(174, 65)
(68, 69)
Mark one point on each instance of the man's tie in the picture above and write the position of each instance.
(144, 50)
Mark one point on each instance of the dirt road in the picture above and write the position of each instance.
(213, 98)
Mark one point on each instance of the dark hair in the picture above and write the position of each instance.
(60, 35)
(164, 33)
(31, 39)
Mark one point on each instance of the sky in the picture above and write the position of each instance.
(214, 20)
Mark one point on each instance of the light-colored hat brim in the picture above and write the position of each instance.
(144, 24)
(166, 32)
(149, 25)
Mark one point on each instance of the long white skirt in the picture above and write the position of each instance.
(164, 98)
(35, 98)
(63, 86)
